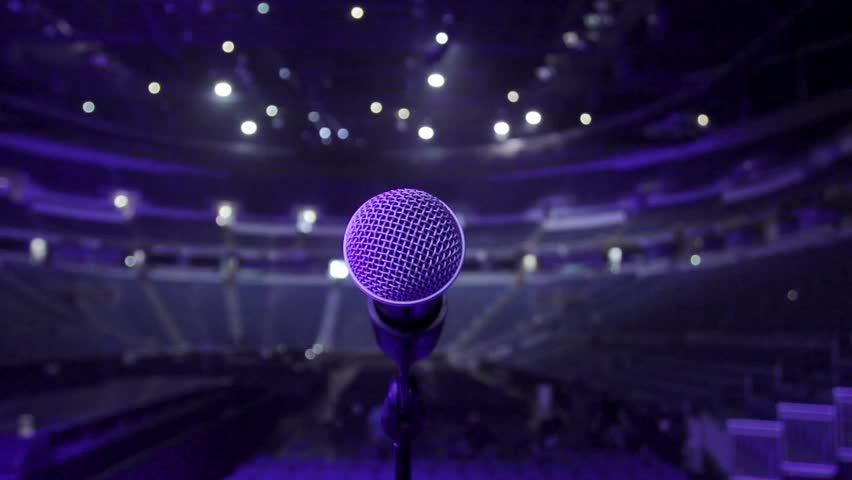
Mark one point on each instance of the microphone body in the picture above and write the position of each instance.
(404, 249)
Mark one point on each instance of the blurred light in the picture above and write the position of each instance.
(271, 110)
(222, 89)
(263, 8)
(435, 80)
(529, 262)
(501, 128)
(571, 39)
(533, 117)
(318, 348)
(357, 13)
(88, 106)
(585, 118)
(324, 132)
(38, 250)
(313, 117)
(702, 120)
(695, 260)
(225, 213)
(308, 215)
(310, 355)
(337, 269)
(513, 96)
(592, 20)
(154, 88)
(376, 107)
(26, 426)
(120, 200)
(614, 255)
(284, 73)
(403, 113)
(227, 46)
(342, 133)
(137, 259)
(426, 133)
(792, 295)
(248, 127)
(544, 73)
(442, 38)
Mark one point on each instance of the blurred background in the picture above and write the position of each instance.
(656, 197)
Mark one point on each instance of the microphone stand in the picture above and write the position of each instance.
(406, 335)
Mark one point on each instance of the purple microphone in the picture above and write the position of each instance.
(404, 248)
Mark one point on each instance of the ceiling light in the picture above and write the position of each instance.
(501, 128)
(426, 133)
(222, 89)
(533, 117)
(435, 80)
(248, 127)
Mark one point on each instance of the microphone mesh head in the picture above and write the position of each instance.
(404, 247)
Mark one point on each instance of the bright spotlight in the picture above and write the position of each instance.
(342, 133)
(263, 8)
(513, 96)
(324, 132)
(376, 107)
(533, 117)
(695, 260)
(225, 214)
(222, 89)
(154, 88)
(337, 269)
(426, 133)
(38, 250)
(442, 38)
(585, 118)
(88, 106)
(702, 120)
(313, 117)
(120, 200)
(271, 110)
(403, 113)
(227, 46)
(501, 128)
(284, 73)
(308, 215)
(435, 80)
(248, 127)
(614, 255)
(792, 295)
(529, 262)
(310, 355)
(357, 12)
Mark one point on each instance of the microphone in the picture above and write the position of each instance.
(404, 249)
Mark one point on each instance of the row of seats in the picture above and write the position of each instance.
(806, 440)
(592, 465)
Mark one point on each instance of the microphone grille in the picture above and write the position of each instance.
(404, 247)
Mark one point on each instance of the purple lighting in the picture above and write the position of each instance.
(403, 247)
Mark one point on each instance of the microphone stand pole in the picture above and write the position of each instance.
(406, 335)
